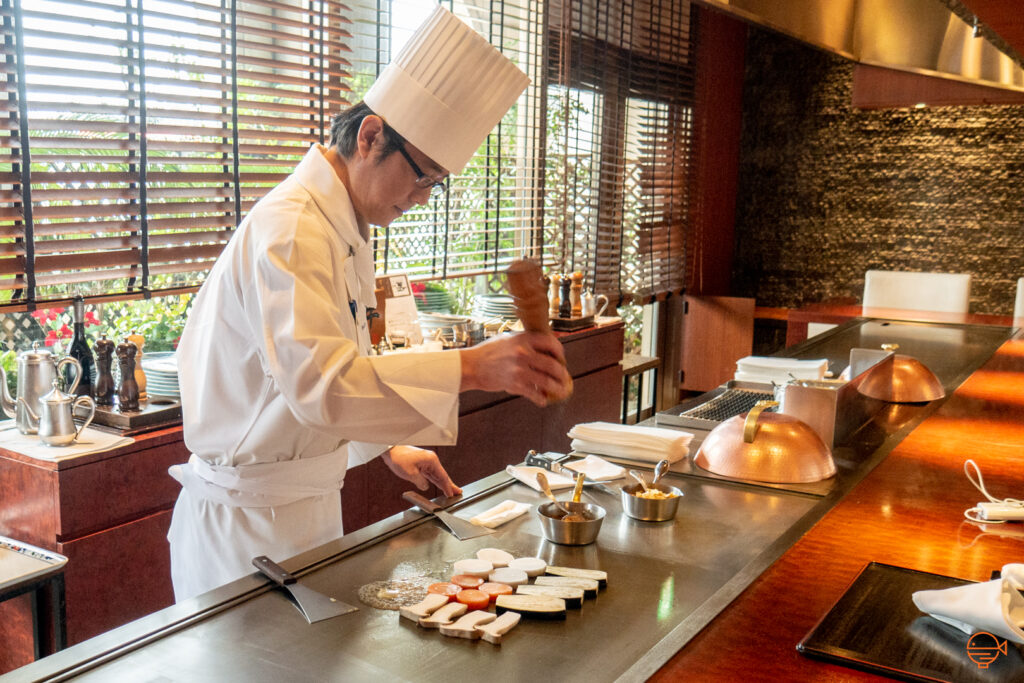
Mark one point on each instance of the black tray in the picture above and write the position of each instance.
(570, 324)
(154, 414)
(876, 627)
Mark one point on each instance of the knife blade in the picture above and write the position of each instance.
(551, 461)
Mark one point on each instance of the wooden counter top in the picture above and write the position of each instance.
(907, 512)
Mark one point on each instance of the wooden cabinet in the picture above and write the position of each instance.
(109, 512)
(717, 331)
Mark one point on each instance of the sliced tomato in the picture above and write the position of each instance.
(444, 588)
(495, 589)
(467, 580)
(473, 599)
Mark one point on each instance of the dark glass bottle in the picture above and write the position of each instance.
(80, 351)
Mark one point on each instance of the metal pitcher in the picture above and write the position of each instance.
(55, 421)
(37, 369)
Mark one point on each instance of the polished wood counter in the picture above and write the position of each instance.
(907, 512)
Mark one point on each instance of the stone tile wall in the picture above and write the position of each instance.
(827, 192)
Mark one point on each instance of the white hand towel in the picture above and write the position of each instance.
(631, 442)
(779, 370)
(995, 606)
(499, 514)
(597, 469)
(528, 475)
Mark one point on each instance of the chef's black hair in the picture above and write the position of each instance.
(345, 131)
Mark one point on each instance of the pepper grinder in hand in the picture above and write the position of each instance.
(104, 377)
(140, 374)
(128, 394)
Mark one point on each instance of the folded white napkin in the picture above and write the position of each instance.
(597, 468)
(89, 441)
(780, 370)
(631, 442)
(528, 475)
(995, 606)
(500, 513)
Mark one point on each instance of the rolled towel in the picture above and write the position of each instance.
(994, 606)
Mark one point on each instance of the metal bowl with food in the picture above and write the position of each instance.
(582, 526)
(659, 504)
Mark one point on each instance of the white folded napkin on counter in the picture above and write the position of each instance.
(597, 468)
(994, 606)
(631, 442)
(90, 441)
(768, 369)
(500, 513)
(528, 475)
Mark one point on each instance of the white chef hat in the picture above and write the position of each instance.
(446, 90)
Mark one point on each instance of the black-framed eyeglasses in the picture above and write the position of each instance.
(424, 181)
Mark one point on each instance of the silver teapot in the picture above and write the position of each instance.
(54, 422)
(37, 369)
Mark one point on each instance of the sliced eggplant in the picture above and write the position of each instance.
(589, 586)
(596, 574)
(532, 606)
(573, 596)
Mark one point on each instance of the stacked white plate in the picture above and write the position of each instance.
(487, 306)
(433, 302)
(430, 323)
(161, 370)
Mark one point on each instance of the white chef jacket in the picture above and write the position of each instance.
(278, 393)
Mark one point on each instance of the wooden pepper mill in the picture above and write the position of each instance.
(577, 294)
(140, 374)
(104, 376)
(128, 394)
(554, 298)
(565, 307)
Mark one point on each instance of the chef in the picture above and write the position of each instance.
(279, 394)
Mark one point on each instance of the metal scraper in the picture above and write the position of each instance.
(313, 605)
(460, 528)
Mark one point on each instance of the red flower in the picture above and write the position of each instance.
(91, 319)
(65, 332)
(40, 316)
(54, 313)
(418, 287)
(51, 337)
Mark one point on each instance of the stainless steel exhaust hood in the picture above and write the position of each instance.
(921, 36)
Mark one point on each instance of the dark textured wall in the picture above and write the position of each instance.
(827, 192)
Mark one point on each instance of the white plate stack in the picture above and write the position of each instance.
(161, 370)
(430, 323)
(487, 306)
(433, 301)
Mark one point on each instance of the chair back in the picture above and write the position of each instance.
(942, 292)
(1018, 304)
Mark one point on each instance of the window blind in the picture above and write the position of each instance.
(621, 98)
(138, 132)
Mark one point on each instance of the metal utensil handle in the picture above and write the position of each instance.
(535, 459)
(750, 424)
(92, 412)
(78, 371)
(578, 489)
(272, 570)
(421, 502)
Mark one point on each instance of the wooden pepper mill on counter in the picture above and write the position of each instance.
(140, 374)
(104, 375)
(128, 394)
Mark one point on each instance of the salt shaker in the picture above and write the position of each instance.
(104, 377)
(128, 394)
(553, 298)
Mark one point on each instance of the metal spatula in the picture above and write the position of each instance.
(460, 528)
(313, 605)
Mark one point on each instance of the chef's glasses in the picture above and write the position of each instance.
(424, 181)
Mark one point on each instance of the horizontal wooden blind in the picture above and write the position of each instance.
(492, 213)
(138, 132)
(621, 105)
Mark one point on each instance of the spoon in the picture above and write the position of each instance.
(659, 471)
(636, 475)
(568, 515)
(579, 488)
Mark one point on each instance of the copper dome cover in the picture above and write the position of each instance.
(768, 447)
(911, 381)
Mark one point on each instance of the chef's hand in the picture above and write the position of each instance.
(526, 364)
(420, 466)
